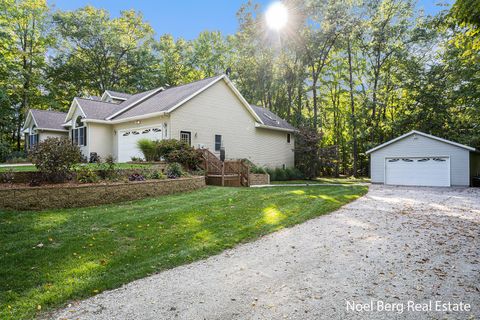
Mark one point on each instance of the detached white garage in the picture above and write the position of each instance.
(420, 159)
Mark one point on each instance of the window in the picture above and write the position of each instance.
(79, 134)
(186, 136)
(288, 137)
(218, 142)
(32, 140)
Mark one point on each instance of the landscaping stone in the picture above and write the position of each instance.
(77, 195)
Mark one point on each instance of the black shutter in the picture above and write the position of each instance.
(84, 136)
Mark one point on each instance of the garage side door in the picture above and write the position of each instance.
(421, 171)
(127, 141)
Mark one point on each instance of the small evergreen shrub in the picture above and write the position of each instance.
(258, 170)
(174, 170)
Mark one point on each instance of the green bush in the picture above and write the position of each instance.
(189, 157)
(148, 148)
(54, 157)
(165, 147)
(259, 170)
(85, 174)
(280, 174)
(107, 169)
(4, 151)
(153, 174)
(174, 170)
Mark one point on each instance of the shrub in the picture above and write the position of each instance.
(174, 170)
(54, 157)
(107, 169)
(189, 157)
(256, 169)
(136, 177)
(136, 159)
(85, 174)
(280, 174)
(153, 174)
(165, 147)
(8, 176)
(4, 151)
(148, 148)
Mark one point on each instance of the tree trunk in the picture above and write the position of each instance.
(352, 109)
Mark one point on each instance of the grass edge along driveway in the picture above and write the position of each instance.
(54, 256)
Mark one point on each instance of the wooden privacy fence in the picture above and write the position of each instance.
(231, 173)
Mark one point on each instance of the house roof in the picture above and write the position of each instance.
(98, 110)
(46, 119)
(422, 134)
(163, 100)
(118, 95)
(271, 119)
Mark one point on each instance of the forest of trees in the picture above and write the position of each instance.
(357, 72)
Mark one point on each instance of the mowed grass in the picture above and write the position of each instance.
(349, 180)
(50, 257)
(28, 168)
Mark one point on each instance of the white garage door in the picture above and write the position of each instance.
(127, 141)
(421, 171)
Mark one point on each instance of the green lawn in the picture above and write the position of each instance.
(92, 165)
(326, 180)
(50, 257)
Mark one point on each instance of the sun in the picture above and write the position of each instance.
(276, 16)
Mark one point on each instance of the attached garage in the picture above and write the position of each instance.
(420, 159)
(128, 138)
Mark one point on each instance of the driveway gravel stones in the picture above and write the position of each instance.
(394, 245)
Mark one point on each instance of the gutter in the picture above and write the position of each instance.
(264, 126)
(129, 119)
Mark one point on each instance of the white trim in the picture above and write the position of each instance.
(264, 126)
(70, 111)
(399, 157)
(29, 116)
(422, 134)
(141, 117)
(56, 130)
(134, 103)
(113, 97)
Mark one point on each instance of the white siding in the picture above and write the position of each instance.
(420, 146)
(217, 110)
(99, 139)
(44, 134)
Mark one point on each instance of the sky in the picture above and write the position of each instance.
(187, 18)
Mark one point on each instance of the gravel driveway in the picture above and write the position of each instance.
(394, 245)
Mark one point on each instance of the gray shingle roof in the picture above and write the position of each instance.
(271, 119)
(49, 119)
(98, 110)
(163, 100)
(117, 94)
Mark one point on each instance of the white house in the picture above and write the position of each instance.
(209, 113)
(420, 159)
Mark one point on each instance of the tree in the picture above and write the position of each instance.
(99, 53)
(23, 49)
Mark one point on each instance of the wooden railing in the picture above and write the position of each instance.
(229, 169)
